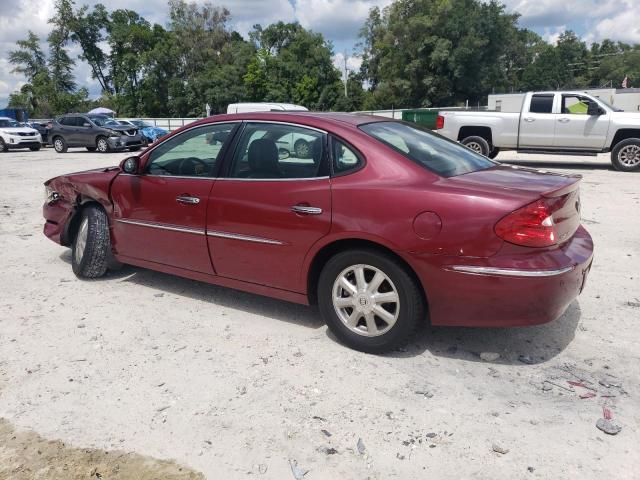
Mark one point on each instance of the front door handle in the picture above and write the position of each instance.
(305, 210)
(564, 120)
(187, 200)
(529, 119)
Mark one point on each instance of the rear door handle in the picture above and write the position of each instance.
(564, 120)
(304, 210)
(187, 200)
(529, 119)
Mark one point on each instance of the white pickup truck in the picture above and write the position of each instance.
(570, 123)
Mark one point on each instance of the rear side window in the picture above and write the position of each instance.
(344, 158)
(541, 104)
(432, 151)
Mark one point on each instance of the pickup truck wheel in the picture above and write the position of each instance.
(102, 145)
(369, 300)
(494, 153)
(92, 245)
(3, 146)
(625, 156)
(477, 144)
(59, 144)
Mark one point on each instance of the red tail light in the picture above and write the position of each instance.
(532, 225)
(439, 122)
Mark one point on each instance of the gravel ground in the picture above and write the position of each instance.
(231, 385)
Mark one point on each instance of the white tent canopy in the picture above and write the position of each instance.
(102, 111)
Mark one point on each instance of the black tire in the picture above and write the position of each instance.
(494, 153)
(134, 149)
(302, 148)
(92, 259)
(477, 144)
(35, 149)
(411, 310)
(91, 149)
(625, 156)
(3, 146)
(102, 145)
(59, 145)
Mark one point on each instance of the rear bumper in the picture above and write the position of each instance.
(516, 287)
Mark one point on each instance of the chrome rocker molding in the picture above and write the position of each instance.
(161, 226)
(246, 238)
(508, 272)
(197, 231)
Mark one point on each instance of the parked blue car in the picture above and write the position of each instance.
(150, 132)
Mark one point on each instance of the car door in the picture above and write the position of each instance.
(575, 128)
(270, 207)
(68, 129)
(537, 125)
(160, 214)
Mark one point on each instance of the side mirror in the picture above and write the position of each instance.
(594, 109)
(130, 165)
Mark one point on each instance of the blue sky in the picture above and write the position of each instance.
(338, 20)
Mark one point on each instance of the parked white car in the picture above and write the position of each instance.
(264, 107)
(13, 135)
(570, 123)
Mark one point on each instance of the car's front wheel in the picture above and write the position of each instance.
(302, 148)
(91, 249)
(59, 145)
(102, 145)
(369, 300)
(625, 156)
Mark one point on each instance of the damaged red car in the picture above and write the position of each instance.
(382, 224)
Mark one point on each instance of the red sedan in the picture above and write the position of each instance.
(382, 224)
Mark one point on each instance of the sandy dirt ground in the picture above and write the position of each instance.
(161, 377)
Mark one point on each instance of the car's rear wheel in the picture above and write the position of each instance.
(91, 249)
(102, 145)
(91, 149)
(477, 144)
(369, 300)
(59, 144)
(302, 148)
(3, 146)
(35, 148)
(625, 156)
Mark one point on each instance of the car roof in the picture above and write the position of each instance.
(308, 118)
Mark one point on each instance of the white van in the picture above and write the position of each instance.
(264, 107)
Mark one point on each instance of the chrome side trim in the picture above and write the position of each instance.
(162, 226)
(246, 238)
(508, 272)
(229, 179)
(142, 175)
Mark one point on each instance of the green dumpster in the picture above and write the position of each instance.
(425, 118)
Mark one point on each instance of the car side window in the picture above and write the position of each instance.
(80, 122)
(575, 105)
(279, 151)
(193, 153)
(541, 104)
(345, 159)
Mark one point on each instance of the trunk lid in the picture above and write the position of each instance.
(559, 193)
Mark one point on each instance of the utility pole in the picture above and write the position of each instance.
(346, 74)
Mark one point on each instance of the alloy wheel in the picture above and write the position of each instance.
(81, 240)
(366, 300)
(103, 146)
(476, 147)
(629, 156)
(58, 145)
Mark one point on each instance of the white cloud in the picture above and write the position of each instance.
(624, 27)
(353, 62)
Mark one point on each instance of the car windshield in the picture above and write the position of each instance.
(6, 123)
(432, 151)
(104, 121)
